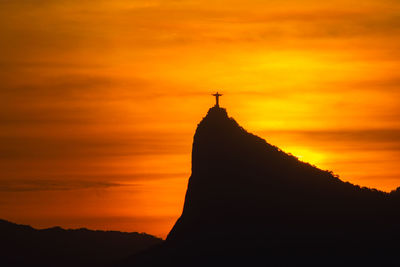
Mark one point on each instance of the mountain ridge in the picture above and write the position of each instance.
(223, 112)
(23, 245)
(226, 154)
(249, 202)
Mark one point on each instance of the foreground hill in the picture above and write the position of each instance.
(250, 204)
(22, 245)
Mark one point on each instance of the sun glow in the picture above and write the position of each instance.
(307, 155)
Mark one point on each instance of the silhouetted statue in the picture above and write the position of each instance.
(217, 95)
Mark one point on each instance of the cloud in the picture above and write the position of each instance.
(359, 139)
(389, 83)
(91, 147)
(74, 25)
(48, 185)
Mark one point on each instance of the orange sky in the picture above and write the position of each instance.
(99, 100)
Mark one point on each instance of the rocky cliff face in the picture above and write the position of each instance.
(250, 204)
(241, 185)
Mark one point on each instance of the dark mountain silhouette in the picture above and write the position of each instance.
(250, 204)
(22, 245)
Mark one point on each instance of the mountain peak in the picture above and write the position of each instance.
(217, 112)
(249, 200)
(216, 117)
(240, 179)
